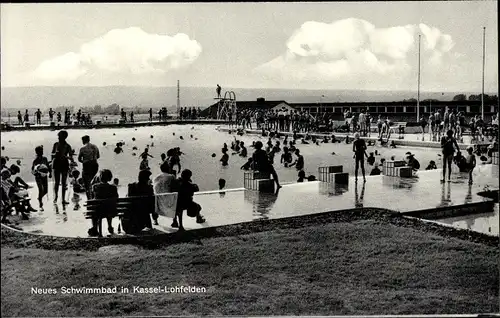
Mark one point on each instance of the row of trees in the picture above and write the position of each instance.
(459, 98)
(113, 109)
(472, 97)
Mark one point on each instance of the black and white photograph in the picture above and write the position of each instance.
(250, 159)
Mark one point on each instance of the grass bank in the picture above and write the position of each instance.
(359, 267)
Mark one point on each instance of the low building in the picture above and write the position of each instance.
(259, 104)
(403, 110)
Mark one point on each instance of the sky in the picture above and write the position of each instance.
(325, 45)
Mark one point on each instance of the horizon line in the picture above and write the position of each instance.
(266, 88)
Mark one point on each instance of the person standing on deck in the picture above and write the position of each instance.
(61, 155)
(362, 122)
(19, 117)
(359, 149)
(51, 114)
(38, 114)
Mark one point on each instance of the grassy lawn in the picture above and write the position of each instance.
(362, 267)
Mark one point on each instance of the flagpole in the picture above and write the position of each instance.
(418, 89)
(482, 86)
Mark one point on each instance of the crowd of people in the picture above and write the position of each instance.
(439, 122)
(79, 117)
(283, 120)
(435, 123)
(189, 113)
(100, 185)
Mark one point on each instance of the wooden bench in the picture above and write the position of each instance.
(14, 204)
(119, 207)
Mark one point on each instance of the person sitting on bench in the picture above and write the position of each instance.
(186, 189)
(140, 218)
(17, 197)
(102, 191)
(5, 205)
(18, 181)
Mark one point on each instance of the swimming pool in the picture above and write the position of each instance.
(198, 150)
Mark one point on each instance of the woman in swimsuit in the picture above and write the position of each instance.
(61, 156)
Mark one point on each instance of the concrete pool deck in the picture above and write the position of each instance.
(143, 123)
(411, 140)
(405, 195)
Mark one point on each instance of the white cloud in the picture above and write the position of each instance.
(354, 51)
(68, 66)
(130, 50)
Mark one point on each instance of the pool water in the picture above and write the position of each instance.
(485, 222)
(198, 149)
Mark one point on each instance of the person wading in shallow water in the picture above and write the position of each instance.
(261, 163)
(88, 156)
(61, 156)
(448, 145)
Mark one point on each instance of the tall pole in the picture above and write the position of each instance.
(178, 97)
(482, 89)
(418, 88)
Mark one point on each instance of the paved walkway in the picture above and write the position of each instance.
(235, 206)
(116, 125)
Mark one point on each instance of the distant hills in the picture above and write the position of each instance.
(44, 97)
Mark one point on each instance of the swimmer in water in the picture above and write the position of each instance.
(118, 148)
(247, 165)
(225, 158)
(173, 158)
(271, 156)
(299, 162)
(276, 147)
(146, 153)
(222, 184)
(302, 176)
(371, 159)
(243, 151)
(144, 163)
(286, 157)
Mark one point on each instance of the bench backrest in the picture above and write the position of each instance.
(123, 205)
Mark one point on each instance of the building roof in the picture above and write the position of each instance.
(256, 104)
